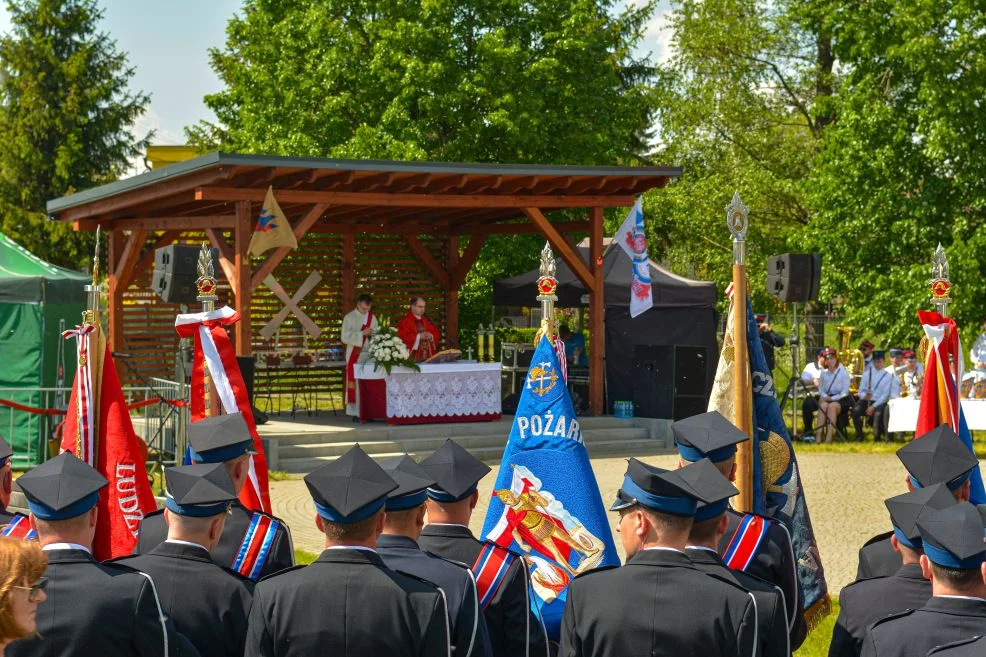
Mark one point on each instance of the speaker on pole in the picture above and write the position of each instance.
(794, 276)
(175, 273)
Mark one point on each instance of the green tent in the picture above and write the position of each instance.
(37, 299)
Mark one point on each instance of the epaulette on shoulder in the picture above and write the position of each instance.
(894, 616)
(155, 512)
(281, 572)
(865, 579)
(937, 650)
(515, 553)
(118, 561)
(724, 579)
(418, 578)
(878, 538)
(446, 559)
(266, 515)
(598, 569)
(241, 578)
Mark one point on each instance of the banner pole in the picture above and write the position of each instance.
(206, 287)
(736, 219)
(547, 285)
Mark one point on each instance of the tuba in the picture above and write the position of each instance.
(852, 359)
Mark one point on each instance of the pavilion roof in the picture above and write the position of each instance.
(353, 195)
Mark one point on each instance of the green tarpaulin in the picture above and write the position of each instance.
(37, 300)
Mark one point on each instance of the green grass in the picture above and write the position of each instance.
(817, 643)
(303, 558)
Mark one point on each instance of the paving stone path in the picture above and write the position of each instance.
(845, 499)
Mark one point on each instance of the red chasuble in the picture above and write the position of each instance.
(408, 329)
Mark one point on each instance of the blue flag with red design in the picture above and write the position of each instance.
(546, 480)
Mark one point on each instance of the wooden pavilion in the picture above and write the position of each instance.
(390, 228)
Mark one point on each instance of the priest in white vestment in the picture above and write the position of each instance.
(357, 326)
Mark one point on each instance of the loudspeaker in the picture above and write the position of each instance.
(175, 272)
(690, 379)
(794, 276)
(653, 389)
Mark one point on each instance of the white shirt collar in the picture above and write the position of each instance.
(445, 524)
(701, 547)
(351, 547)
(663, 548)
(65, 546)
(178, 541)
(962, 597)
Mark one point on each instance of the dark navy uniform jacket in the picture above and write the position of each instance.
(975, 647)
(468, 631)
(772, 625)
(347, 602)
(208, 604)
(877, 558)
(863, 603)
(513, 630)
(775, 563)
(96, 609)
(153, 531)
(941, 620)
(657, 605)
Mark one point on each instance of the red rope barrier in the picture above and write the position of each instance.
(34, 410)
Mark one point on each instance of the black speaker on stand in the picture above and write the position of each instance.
(794, 276)
(175, 273)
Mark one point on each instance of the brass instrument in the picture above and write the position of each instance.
(852, 359)
(903, 382)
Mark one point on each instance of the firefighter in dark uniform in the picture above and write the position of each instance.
(658, 604)
(348, 602)
(864, 602)
(954, 552)
(513, 629)
(939, 457)
(244, 546)
(702, 549)
(974, 647)
(91, 608)
(214, 618)
(710, 435)
(399, 549)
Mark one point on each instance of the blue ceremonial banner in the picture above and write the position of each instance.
(546, 502)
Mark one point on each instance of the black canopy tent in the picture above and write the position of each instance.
(663, 360)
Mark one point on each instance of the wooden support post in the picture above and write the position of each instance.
(227, 258)
(115, 310)
(244, 291)
(437, 271)
(562, 247)
(348, 273)
(451, 294)
(597, 309)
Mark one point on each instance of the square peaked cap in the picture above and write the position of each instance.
(953, 537)
(349, 489)
(709, 435)
(412, 482)
(220, 438)
(455, 470)
(5, 450)
(198, 490)
(62, 488)
(904, 510)
(677, 492)
(937, 457)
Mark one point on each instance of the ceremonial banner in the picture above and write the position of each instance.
(546, 502)
(98, 430)
(213, 350)
(273, 228)
(940, 392)
(777, 490)
(632, 238)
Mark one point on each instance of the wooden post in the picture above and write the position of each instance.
(114, 253)
(597, 310)
(451, 294)
(244, 290)
(348, 273)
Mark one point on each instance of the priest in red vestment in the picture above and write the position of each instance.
(417, 332)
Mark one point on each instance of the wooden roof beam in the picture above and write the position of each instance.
(428, 200)
(147, 259)
(411, 182)
(124, 272)
(157, 223)
(367, 183)
(444, 184)
(327, 179)
(588, 185)
(562, 227)
(481, 185)
(563, 248)
(467, 260)
(518, 185)
(437, 271)
(226, 257)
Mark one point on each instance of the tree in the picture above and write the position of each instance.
(551, 81)
(66, 118)
(904, 167)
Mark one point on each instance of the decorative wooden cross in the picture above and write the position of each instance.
(291, 306)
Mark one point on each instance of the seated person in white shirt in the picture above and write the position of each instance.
(833, 394)
(877, 387)
(809, 378)
(913, 374)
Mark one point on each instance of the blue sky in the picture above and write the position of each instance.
(167, 41)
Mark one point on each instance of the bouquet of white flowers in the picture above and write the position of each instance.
(387, 350)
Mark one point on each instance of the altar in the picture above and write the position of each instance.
(440, 392)
(904, 414)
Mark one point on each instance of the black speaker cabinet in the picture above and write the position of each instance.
(175, 272)
(653, 387)
(794, 276)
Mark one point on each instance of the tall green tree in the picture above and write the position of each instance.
(549, 81)
(66, 117)
(904, 167)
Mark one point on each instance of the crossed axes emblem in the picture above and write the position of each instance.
(291, 306)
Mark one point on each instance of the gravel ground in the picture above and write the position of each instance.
(845, 498)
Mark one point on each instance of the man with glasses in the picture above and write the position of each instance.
(215, 618)
(253, 543)
(417, 331)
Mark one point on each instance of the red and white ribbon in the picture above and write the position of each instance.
(84, 384)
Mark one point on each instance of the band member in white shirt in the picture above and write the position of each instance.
(809, 378)
(833, 394)
(913, 374)
(876, 388)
